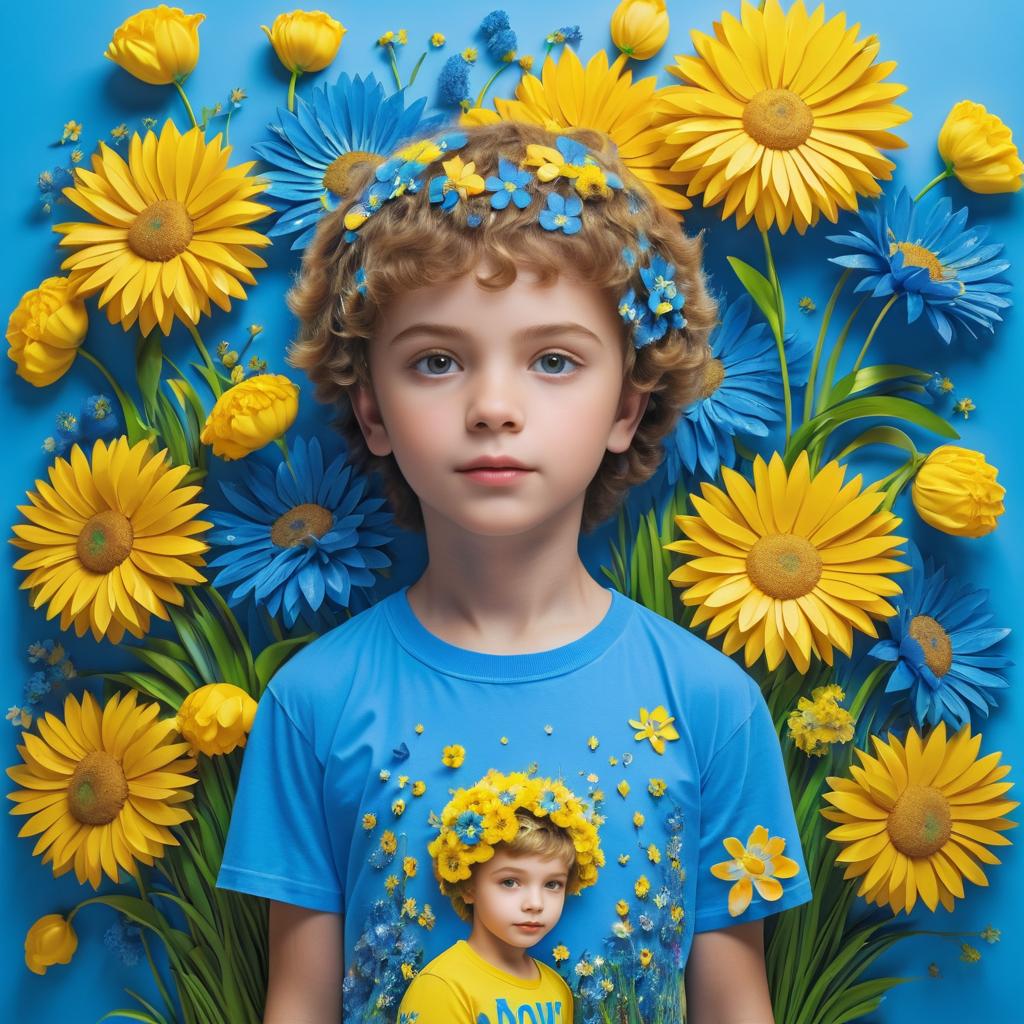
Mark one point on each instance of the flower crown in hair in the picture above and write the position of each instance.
(477, 819)
(651, 307)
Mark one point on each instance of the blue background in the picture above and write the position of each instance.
(55, 72)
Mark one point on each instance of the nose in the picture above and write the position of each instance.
(494, 403)
(533, 899)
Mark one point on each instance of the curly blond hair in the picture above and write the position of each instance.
(409, 243)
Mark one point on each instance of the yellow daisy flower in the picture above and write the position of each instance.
(782, 116)
(915, 819)
(790, 565)
(759, 865)
(171, 235)
(604, 98)
(103, 786)
(452, 756)
(656, 727)
(110, 542)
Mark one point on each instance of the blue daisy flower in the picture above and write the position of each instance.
(314, 150)
(509, 185)
(941, 643)
(743, 385)
(562, 214)
(296, 542)
(942, 266)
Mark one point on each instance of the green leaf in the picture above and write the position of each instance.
(132, 1015)
(760, 289)
(870, 376)
(879, 435)
(272, 657)
(171, 432)
(148, 683)
(148, 361)
(167, 666)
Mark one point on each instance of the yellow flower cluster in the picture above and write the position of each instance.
(819, 722)
(477, 819)
(216, 718)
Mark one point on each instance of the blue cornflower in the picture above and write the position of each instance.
(549, 802)
(942, 267)
(510, 184)
(295, 542)
(741, 395)
(502, 44)
(469, 827)
(496, 21)
(37, 687)
(453, 82)
(664, 301)
(562, 214)
(360, 279)
(124, 938)
(51, 185)
(941, 644)
(572, 35)
(315, 150)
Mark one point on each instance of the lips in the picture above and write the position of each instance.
(497, 462)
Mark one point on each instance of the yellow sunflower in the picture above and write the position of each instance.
(789, 565)
(783, 116)
(110, 542)
(102, 786)
(603, 98)
(914, 818)
(171, 232)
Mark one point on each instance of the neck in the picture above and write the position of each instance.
(511, 959)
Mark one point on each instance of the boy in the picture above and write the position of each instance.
(512, 892)
(435, 305)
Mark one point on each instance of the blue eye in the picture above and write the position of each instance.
(562, 362)
(434, 355)
(509, 882)
(565, 360)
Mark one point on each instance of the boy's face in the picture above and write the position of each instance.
(528, 373)
(518, 897)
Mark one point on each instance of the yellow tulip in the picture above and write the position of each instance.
(159, 45)
(955, 491)
(305, 40)
(51, 940)
(216, 718)
(640, 27)
(45, 331)
(980, 149)
(251, 415)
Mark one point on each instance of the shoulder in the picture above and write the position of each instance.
(552, 977)
(445, 966)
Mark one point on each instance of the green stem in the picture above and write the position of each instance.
(416, 68)
(867, 688)
(874, 327)
(773, 277)
(283, 445)
(215, 384)
(129, 412)
(227, 125)
(291, 91)
(487, 85)
(833, 361)
(826, 320)
(947, 173)
(188, 106)
(394, 65)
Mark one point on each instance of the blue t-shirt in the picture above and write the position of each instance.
(353, 727)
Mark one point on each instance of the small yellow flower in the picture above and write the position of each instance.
(653, 854)
(593, 777)
(964, 406)
(945, 385)
(250, 415)
(955, 491)
(426, 918)
(403, 781)
(388, 842)
(623, 859)
(72, 131)
(622, 908)
(593, 743)
(640, 27)
(159, 45)
(642, 887)
(613, 760)
(980, 150)
(638, 819)
(437, 39)
(758, 865)
(646, 956)
(560, 953)
(216, 718)
(409, 908)
(119, 131)
(408, 971)
(585, 969)
(676, 913)
(385, 39)
(305, 40)
(409, 866)
(807, 305)
(369, 821)
(236, 96)
(419, 787)
(76, 155)
(656, 727)
(403, 37)
(469, 54)
(526, 62)
(398, 808)
(384, 775)
(19, 716)
(453, 756)
(237, 374)
(969, 954)
(623, 788)
(419, 728)
(391, 883)
(656, 787)
(51, 940)
(607, 985)
(504, 741)
(45, 331)
(819, 722)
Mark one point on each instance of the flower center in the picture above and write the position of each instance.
(919, 823)
(753, 864)
(934, 641)
(784, 566)
(338, 178)
(98, 789)
(105, 541)
(918, 256)
(161, 231)
(300, 525)
(778, 119)
(714, 374)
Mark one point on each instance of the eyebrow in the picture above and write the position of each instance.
(535, 331)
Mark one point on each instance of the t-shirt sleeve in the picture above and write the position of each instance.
(432, 1000)
(746, 807)
(278, 844)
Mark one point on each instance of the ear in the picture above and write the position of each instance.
(371, 423)
(632, 406)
